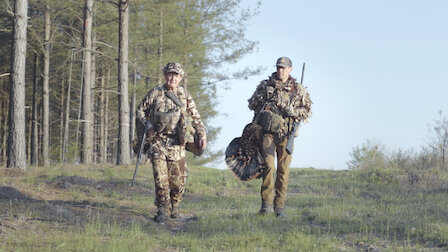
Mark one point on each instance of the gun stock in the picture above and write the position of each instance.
(290, 144)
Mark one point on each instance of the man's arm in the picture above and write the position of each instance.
(304, 107)
(144, 105)
(299, 107)
(303, 112)
(197, 123)
(257, 99)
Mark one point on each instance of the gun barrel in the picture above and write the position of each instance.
(148, 126)
(138, 158)
(303, 71)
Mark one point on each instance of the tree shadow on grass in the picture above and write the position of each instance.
(15, 205)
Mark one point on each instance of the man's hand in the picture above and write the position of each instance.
(149, 129)
(272, 107)
(288, 112)
(202, 143)
(148, 125)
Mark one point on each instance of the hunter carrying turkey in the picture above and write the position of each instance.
(278, 103)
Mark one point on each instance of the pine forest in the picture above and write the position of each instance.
(73, 72)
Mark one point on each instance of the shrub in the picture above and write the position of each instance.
(369, 156)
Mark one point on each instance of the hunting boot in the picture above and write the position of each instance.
(265, 208)
(175, 212)
(161, 216)
(279, 212)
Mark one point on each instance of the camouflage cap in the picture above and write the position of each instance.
(173, 67)
(284, 62)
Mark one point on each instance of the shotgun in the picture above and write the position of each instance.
(295, 125)
(148, 126)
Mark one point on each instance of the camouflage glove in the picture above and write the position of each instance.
(272, 107)
(289, 113)
(148, 125)
(149, 128)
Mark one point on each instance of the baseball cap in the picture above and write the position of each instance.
(284, 62)
(173, 67)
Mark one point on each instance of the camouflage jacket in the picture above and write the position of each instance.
(290, 100)
(156, 102)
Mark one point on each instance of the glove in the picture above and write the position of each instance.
(272, 107)
(148, 125)
(289, 113)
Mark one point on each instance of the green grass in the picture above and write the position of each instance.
(326, 211)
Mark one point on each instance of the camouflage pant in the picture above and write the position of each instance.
(272, 145)
(170, 173)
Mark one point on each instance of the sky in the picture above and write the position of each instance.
(375, 70)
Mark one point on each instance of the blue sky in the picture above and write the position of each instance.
(376, 70)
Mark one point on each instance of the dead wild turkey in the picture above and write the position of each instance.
(243, 156)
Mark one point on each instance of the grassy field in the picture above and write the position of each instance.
(79, 208)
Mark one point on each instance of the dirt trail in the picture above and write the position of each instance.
(19, 210)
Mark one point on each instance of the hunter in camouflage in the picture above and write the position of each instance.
(167, 107)
(278, 102)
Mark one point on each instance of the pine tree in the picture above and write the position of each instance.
(16, 126)
(87, 118)
(123, 155)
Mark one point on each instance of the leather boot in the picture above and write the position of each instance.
(160, 217)
(265, 208)
(175, 212)
(279, 212)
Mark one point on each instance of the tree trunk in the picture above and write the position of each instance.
(97, 116)
(16, 118)
(101, 114)
(186, 35)
(4, 125)
(61, 121)
(86, 110)
(39, 128)
(78, 121)
(45, 90)
(28, 133)
(147, 79)
(67, 109)
(34, 152)
(93, 88)
(106, 118)
(134, 86)
(160, 49)
(123, 153)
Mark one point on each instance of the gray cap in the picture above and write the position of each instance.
(173, 67)
(284, 62)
